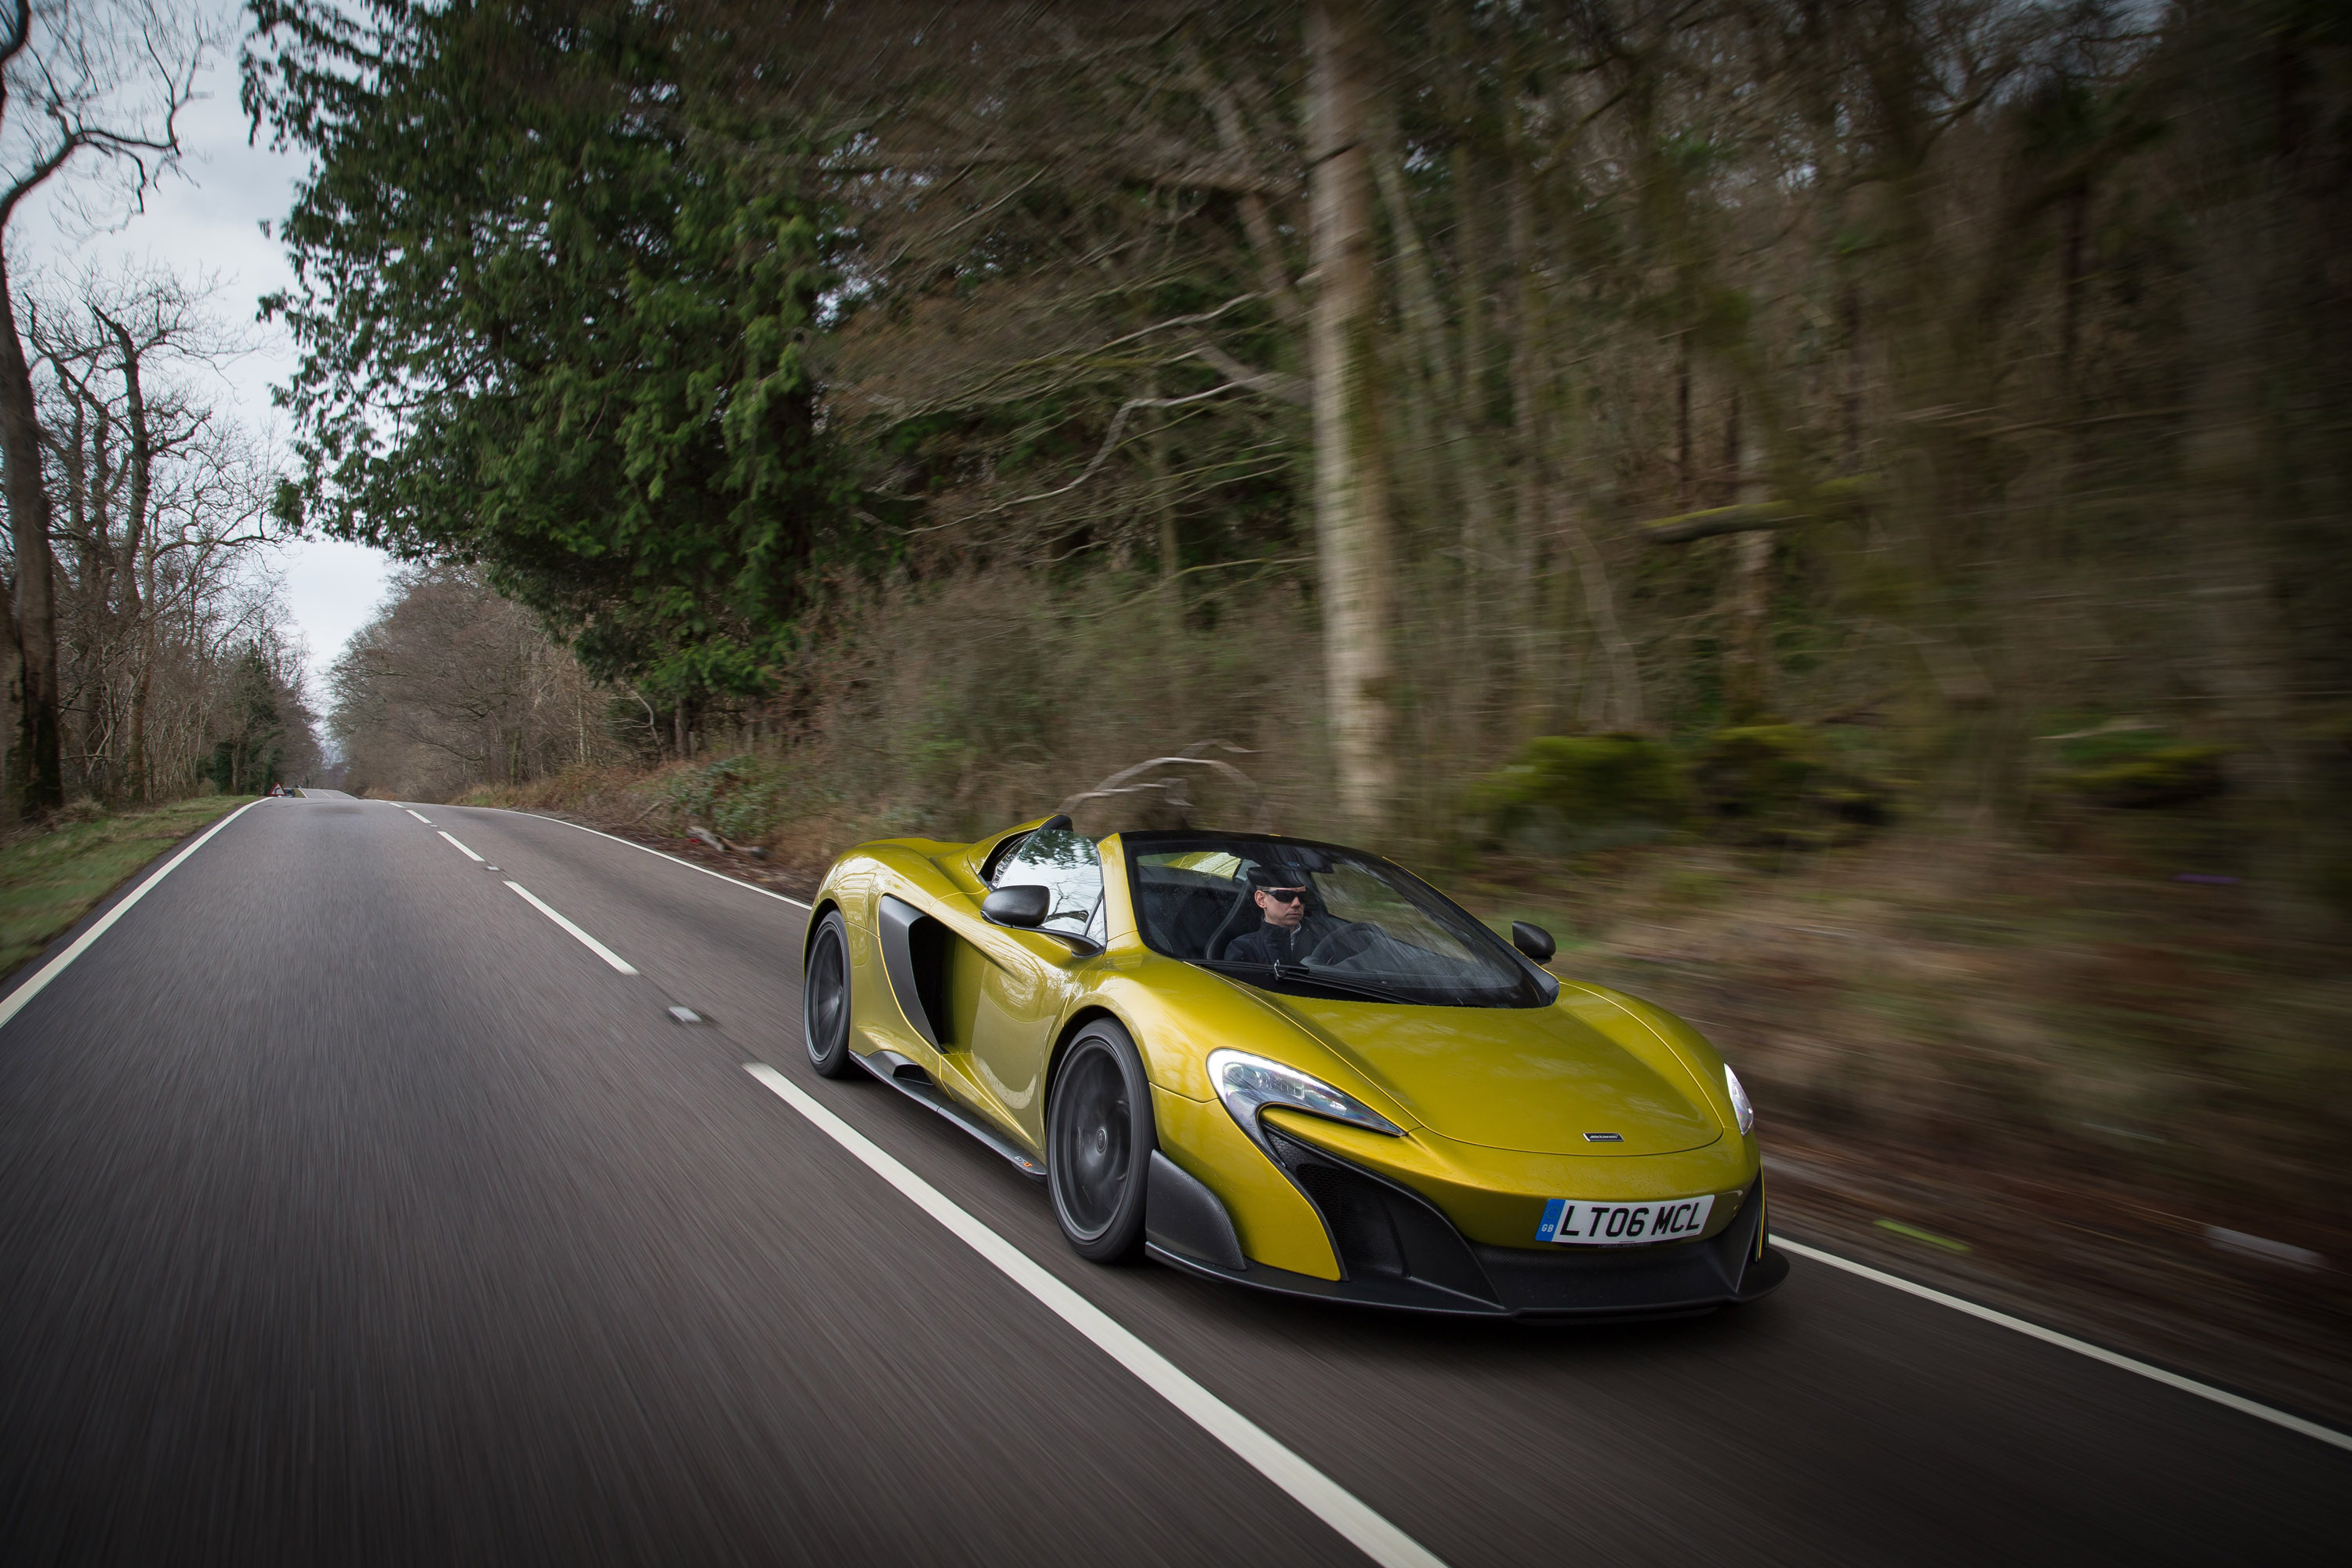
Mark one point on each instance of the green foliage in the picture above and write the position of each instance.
(551, 329)
(1568, 789)
(1783, 784)
(742, 797)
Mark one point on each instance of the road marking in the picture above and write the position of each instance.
(1321, 1496)
(598, 948)
(419, 815)
(56, 966)
(461, 848)
(689, 865)
(2239, 1403)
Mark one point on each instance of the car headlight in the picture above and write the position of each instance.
(1249, 1084)
(1743, 1112)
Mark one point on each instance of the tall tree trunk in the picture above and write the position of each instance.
(2073, 214)
(1747, 598)
(1170, 546)
(1850, 399)
(1471, 469)
(1427, 384)
(1681, 422)
(1528, 357)
(1359, 587)
(135, 785)
(2235, 604)
(36, 770)
(134, 536)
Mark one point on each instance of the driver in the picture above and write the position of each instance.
(1289, 932)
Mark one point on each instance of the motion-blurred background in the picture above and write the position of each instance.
(1838, 509)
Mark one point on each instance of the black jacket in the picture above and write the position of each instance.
(1271, 943)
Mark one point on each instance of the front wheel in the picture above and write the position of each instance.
(1098, 1143)
(824, 999)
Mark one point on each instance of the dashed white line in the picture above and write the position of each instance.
(461, 848)
(1044, 1284)
(2220, 1396)
(1321, 1496)
(31, 988)
(598, 948)
(735, 881)
(419, 815)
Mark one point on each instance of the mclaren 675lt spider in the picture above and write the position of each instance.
(1293, 1067)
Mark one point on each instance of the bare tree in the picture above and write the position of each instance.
(162, 508)
(79, 79)
(451, 686)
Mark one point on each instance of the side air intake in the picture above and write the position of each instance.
(914, 954)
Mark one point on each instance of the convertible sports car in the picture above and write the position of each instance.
(1295, 1067)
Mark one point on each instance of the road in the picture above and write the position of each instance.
(352, 1211)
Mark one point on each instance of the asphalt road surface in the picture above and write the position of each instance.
(351, 1210)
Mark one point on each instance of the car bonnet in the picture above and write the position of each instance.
(1537, 1080)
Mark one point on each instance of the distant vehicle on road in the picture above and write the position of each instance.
(1295, 1067)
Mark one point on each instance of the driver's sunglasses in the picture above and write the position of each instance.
(1284, 895)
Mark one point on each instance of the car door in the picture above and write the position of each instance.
(1024, 979)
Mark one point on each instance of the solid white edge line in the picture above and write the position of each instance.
(461, 848)
(419, 815)
(56, 966)
(1321, 1496)
(2220, 1396)
(673, 859)
(815, 1111)
(598, 948)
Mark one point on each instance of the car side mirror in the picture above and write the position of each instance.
(1533, 941)
(1026, 906)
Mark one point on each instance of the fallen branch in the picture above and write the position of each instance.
(724, 848)
(1749, 517)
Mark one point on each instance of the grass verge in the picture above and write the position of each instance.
(50, 880)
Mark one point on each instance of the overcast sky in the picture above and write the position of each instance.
(210, 222)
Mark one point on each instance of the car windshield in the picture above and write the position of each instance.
(1367, 931)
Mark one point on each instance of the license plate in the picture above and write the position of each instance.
(1575, 1222)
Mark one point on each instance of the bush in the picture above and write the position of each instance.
(743, 799)
(2157, 774)
(1564, 791)
(1782, 784)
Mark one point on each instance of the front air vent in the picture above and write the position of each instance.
(1358, 1213)
(1379, 1230)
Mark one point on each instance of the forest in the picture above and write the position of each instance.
(1838, 509)
(1826, 414)
(149, 652)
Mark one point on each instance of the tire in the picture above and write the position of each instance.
(825, 1000)
(1098, 1142)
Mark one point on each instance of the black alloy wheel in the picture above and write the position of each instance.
(1098, 1143)
(824, 999)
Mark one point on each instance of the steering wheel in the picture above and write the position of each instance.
(1330, 938)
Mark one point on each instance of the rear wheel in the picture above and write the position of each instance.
(1098, 1143)
(824, 999)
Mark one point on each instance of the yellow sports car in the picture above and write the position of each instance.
(1295, 1067)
